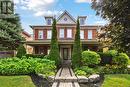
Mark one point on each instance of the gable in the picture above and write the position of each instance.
(66, 18)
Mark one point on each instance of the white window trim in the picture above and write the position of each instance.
(61, 33)
(69, 33)
(40, 34)
(90, 34)
(81, 34)
(49, 34)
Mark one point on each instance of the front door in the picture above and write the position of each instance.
(65, 53)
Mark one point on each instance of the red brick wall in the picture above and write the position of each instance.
(94, 33)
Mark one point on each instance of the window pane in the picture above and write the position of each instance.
(49, 21)
(40, 34)
(61, 33)
(49, 34)
(81, 34)
(89, 34)
(69, 33)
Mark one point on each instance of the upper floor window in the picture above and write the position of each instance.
(61, 33)
(81, 34)
(89, 34)
(40, 34)
(69, 33)
(49, 34)
(49, 21)
(82, 21)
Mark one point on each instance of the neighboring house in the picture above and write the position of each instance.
(27, 36)
(66, 28)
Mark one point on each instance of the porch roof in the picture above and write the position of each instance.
(47, 42)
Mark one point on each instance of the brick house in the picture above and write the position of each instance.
(66, 29)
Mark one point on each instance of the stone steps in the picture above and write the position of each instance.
(65, 77)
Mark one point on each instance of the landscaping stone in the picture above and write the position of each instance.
(94, 78)
(82, 79)
(51, 78)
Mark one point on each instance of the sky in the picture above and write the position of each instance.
(32, 12)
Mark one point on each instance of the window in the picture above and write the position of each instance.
(69, 33)
(49, 22)
(81, 34)
(40, 34)
(89, 34)
(82, 21)
(61, 33)
(49, 34)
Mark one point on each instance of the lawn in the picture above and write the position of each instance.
(118, 80)
(16, 81)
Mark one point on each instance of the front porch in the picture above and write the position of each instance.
(64, 49)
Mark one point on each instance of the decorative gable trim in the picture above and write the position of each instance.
(65, 12)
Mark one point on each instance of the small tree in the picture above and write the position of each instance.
(54, 49)
(76, 54)
(21, 51)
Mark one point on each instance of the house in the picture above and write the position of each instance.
(27, 37)
(66, 29)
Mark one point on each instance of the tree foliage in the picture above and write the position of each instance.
(117, 12)
(54, 49)
(10, 29)
(21, 51)
(76, 54)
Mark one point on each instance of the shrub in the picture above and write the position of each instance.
(16, 66)
(112, 53)
(21, 51)
(35, 55)
(90, 58)
(122, 59)
(80, 72)
(106, 58)
(113, 69)
(88, 70)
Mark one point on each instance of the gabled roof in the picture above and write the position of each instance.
(66, 12)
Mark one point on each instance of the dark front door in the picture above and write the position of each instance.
(65, 53)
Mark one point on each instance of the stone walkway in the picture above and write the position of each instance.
(65, 77)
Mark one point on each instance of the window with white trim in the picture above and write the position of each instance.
(89, 34)
(49, 34)
(69, 33)
(61, 33)
(81, 34)
(40, 34)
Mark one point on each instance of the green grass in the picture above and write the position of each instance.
(16, 81)
(117, 80)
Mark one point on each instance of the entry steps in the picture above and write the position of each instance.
(65, 77)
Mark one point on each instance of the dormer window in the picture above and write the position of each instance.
(82, 20)
(48, 20)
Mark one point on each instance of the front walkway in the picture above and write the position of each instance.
(65, 78)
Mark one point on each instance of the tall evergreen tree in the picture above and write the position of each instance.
(76, 54)
(10, 32)
(54, 49)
